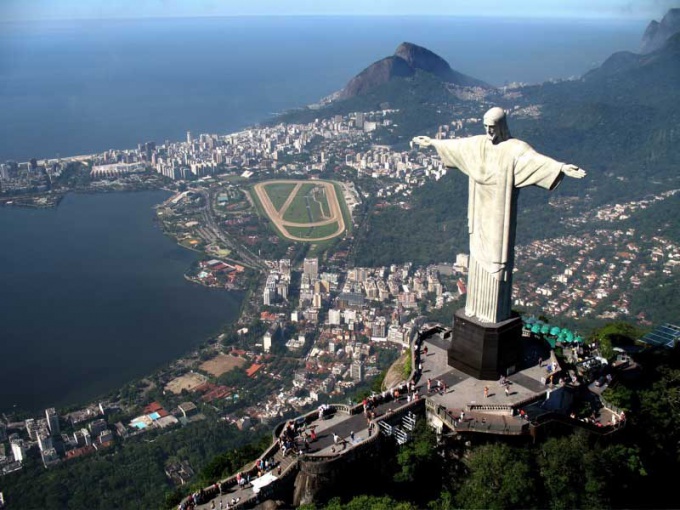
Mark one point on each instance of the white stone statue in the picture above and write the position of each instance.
(497, 165)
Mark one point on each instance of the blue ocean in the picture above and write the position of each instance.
(70, 88)
(92, 293)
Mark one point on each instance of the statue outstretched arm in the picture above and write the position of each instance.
(422, 141)
(454, 152)
(573, 171)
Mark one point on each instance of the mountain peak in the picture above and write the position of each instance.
(421, 58)
(657, 33)
(406, 60)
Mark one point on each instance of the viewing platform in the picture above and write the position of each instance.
(343, 429)
(452, 402)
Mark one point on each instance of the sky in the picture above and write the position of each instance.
(28, 10)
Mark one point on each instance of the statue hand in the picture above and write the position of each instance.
(423, 141)
(573, 171)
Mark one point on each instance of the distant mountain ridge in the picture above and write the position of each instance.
(657, 34)
(618, 121)
(666, 57)
(406, 61)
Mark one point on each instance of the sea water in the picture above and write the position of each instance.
(80, 87)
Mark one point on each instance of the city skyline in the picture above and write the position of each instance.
(45, 10)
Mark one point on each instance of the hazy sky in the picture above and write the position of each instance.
(17, 10)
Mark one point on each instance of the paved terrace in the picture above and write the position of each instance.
(460, 403)
(342, 421)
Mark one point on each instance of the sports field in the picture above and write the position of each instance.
(222, 363)
(308, 211)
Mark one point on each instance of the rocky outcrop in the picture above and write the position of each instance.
(406, 61)
(395, 374)
(657, 34)
(376, 74)
(357, 469)
(418, 57)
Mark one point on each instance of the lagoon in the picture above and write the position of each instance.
(92, 295)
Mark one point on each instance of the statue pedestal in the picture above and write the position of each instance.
(485, 350)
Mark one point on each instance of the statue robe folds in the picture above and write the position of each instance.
(496, 172)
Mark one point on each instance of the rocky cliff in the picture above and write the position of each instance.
(657, 34)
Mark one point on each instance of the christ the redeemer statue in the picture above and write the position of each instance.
(497, 165)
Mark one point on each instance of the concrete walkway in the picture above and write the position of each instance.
(339, 423)
(461, 396)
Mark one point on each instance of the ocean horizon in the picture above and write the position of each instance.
(80, 87)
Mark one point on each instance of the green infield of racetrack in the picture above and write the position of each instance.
(313, 233)
(278, 193)
(298, 212)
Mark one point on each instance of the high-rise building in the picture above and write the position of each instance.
(379, 329)
(312, 315)
(284, 267)
(357, 371)
(282, 289)
(98, 426)
(44, 441)
(268, 337)
(32, 429)
(86, 437)
(189, 139)
(52, 420)
(349, 315)
(50, 457)
(334, 317)
(267, 296)
(18, 449)
(311, 268)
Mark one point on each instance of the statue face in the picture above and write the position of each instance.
(492, 132)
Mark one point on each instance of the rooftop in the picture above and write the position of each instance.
(667, 335)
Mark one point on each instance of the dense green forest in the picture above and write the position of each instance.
(132, 475)
(433, 229)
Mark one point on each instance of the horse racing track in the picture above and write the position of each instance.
(308, 211)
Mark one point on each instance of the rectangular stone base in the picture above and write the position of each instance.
(485, 350)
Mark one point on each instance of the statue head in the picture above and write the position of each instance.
(496, 125)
